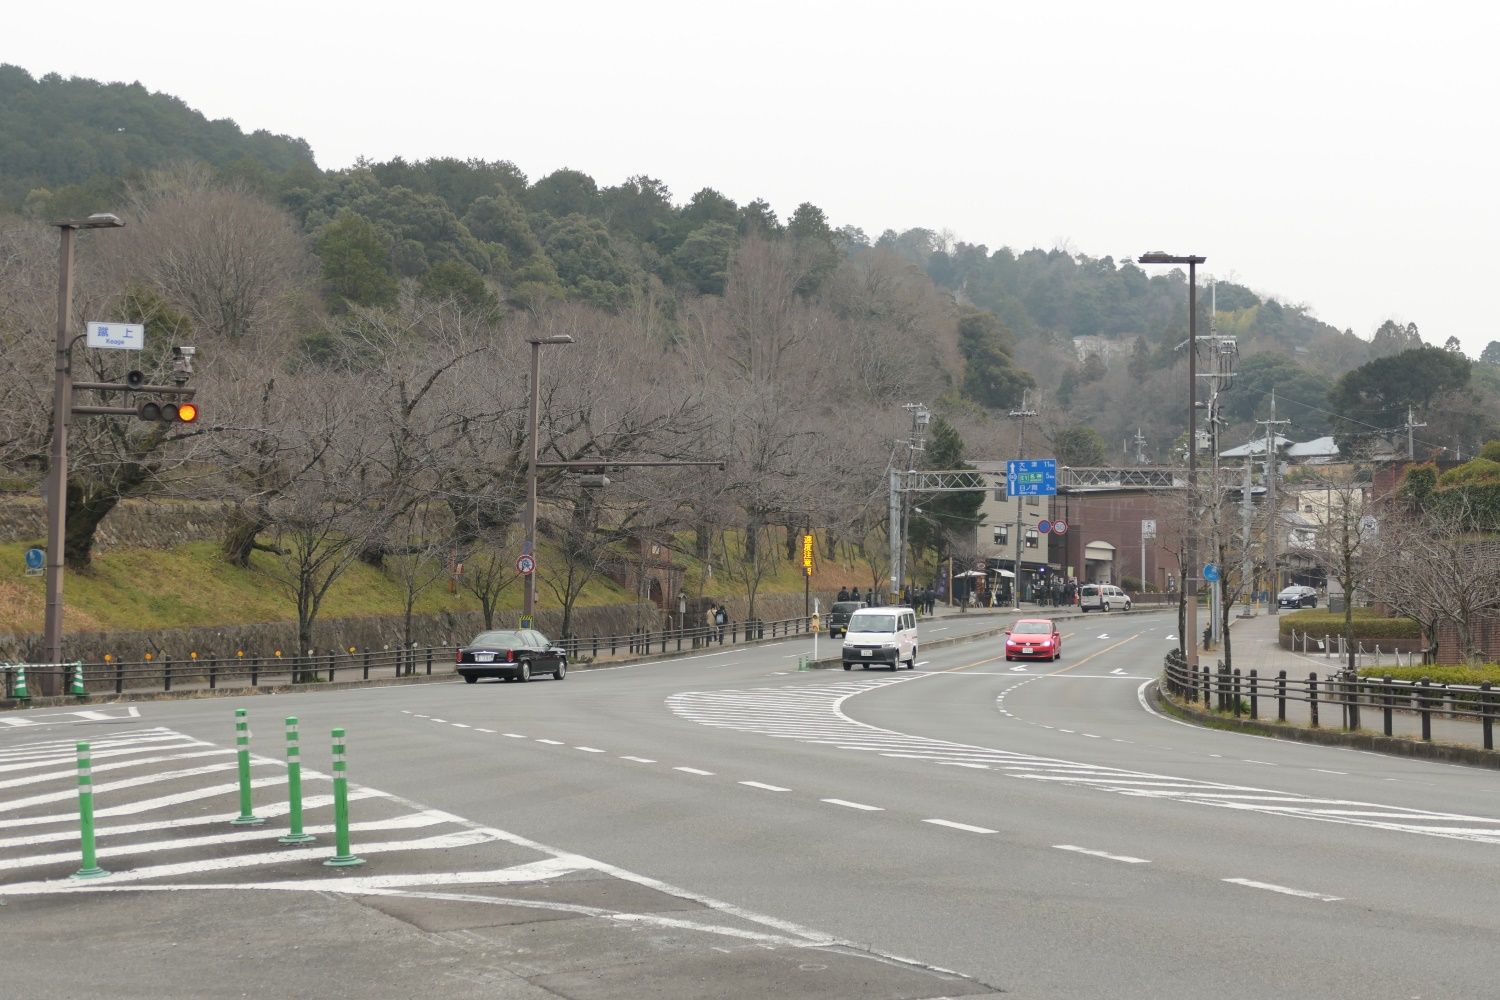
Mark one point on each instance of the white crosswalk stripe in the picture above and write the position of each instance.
(815, 715)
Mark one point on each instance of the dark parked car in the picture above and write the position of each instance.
(517, 655)
(838, 616)
(1297, 597)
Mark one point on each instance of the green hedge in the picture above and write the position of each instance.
(1438, 674)
(1368, 626)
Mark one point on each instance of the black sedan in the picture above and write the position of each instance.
(1297, 597)
(517, 655)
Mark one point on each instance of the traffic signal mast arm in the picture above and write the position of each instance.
(170, 390)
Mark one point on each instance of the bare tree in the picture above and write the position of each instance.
(1343, 528)
(236, 263)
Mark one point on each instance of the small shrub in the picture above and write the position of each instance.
(1368, 626)
(1473, 676)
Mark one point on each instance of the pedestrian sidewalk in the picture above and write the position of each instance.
(1254, 646)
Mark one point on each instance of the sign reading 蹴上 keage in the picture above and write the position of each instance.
(117, 336)
(1031, 477)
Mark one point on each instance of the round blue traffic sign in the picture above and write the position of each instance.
(35, 558)
(1210, 572)
(1044, 526)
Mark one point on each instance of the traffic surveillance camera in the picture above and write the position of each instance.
(184, 351)
(182, 362)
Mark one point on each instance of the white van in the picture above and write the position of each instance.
(881, 635)
(1102, 597)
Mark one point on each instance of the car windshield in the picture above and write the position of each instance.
(501, 639)
(1088, 591)
(872, 623)
(1033, 628)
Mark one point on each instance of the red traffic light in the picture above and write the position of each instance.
(168, 413)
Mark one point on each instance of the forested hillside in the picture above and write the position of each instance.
(72, 143)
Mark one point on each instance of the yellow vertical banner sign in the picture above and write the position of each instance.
(807, 554)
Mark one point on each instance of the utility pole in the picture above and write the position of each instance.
(1140, 447)
(901, 482)
(1247, 570)
(1273, 541)
(1224, 351)
(1021, 414)
(1411, 441)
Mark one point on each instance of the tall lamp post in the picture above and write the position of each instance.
(62, 405)
(528, 586)
(1191, 570)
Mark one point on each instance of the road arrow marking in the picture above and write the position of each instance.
(1118, 670)
(1104, 636)
(1018, 670)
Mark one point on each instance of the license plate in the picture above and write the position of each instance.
(1027, 649)
(484, 657)
(865, 652)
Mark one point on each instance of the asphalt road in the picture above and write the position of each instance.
(724, 826)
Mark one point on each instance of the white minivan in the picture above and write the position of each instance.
(1102, 597)
(887, 636)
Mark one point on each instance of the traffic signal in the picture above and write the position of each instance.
(168, 413)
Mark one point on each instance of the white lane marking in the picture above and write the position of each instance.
(965, 763)
(461, 725)
(590, 749)
(436, 719)
(761, 784)
(1171, 637)
(1018, 670)
(639, 760)
(1285, 891)
(514, 736)
(478, 730)
(1327, 771)
(693, 770)
(1104, 636)
(1118, 670)
(923, 663)
(959, 826)
(35, 779)
(943, 629)
(852, 805)
(411, 822)
(1103, 854)
(1265, 762)
(726, 663)
(551, 743)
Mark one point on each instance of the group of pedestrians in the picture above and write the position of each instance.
(1056, 592)
(716, 618)
(923, 600)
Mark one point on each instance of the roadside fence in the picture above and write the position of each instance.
(197, 670)
(1334, 647)
(1223, 690)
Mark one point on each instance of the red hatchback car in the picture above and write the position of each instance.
(1033, 639)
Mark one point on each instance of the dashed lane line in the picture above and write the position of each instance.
(852, 805)
(966, 827)
(1284, 890)
(1127, 859)
(693, 770)
(763, 785)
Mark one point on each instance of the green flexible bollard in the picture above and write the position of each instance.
(294, 787)
(90, 867)
(342, 857)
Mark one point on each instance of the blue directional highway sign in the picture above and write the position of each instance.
(1031, 477)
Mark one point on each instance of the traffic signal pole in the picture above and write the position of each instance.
(57, 470)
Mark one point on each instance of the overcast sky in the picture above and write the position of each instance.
(1335, 154)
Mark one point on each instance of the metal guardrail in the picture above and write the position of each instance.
(241, 670)
(1224, 690)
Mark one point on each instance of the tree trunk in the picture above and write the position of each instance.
(84, 516)
(702, 537)
(239, 538)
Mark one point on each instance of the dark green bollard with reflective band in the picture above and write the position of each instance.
(242, 749)
(342, 858)
(294, 787)
(90, 867)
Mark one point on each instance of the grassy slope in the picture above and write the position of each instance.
(190, 586)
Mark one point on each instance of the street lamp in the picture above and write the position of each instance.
(1190, 571)
(62, 404)
(528, 586)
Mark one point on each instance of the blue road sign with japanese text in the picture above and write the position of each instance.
(1031, 477)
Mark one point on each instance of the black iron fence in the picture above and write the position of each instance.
(194, 670)
(1345, 695)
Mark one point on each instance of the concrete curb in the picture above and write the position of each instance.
(1394, 746)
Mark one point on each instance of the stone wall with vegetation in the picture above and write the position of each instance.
(145, 524)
